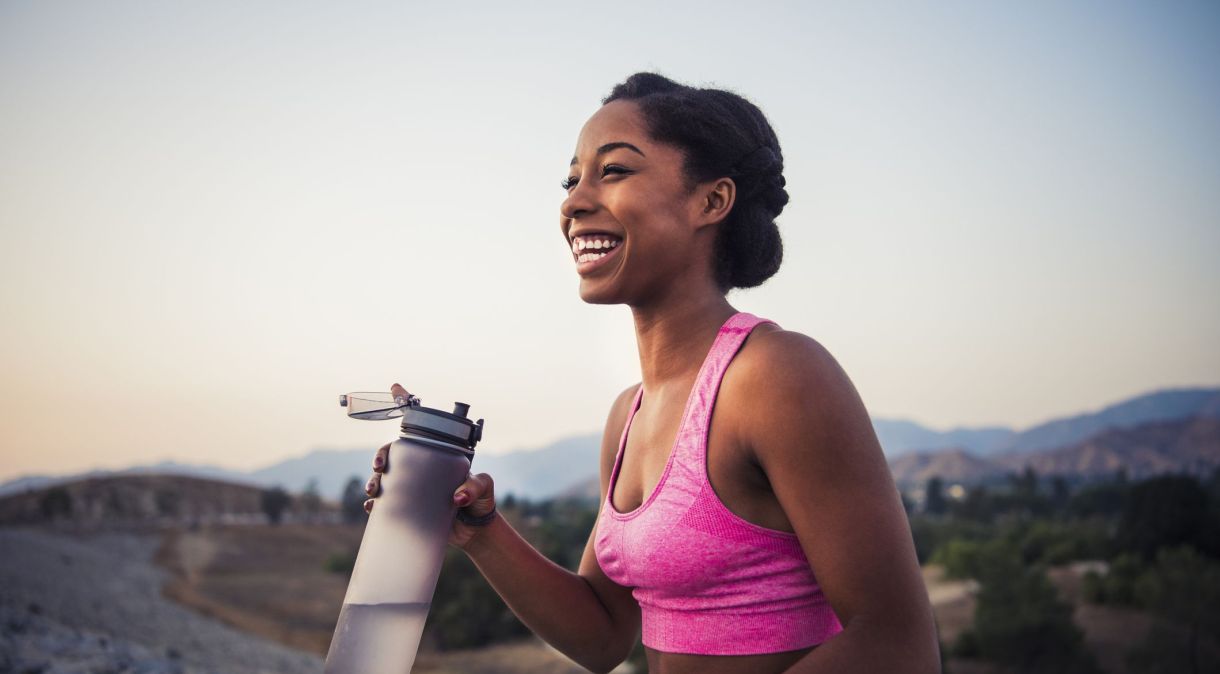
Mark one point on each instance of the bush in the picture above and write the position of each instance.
(971, 559)
(1162, 512)
(275, 501)
(352, 501)
(340, 562)
(55, 503)
(1020, 622)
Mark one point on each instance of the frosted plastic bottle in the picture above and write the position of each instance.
(404, 541)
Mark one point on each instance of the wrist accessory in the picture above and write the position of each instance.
(480, 521)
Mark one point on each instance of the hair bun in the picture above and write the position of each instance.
(762, 161)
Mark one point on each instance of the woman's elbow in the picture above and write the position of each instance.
(610, 653)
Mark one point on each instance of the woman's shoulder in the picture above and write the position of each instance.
(773, 357)
(787, 376)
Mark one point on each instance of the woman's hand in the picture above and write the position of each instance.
(475, 496)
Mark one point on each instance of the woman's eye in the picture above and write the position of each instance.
(614, 168)
(569, 182)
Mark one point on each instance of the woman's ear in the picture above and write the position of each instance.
(718, 196)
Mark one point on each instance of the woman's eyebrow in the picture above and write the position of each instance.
(612, 146)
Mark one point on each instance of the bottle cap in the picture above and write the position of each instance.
(448, 427)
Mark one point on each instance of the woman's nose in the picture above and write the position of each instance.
(580, 202)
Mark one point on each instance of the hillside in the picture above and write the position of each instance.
(1185, 445)
(952, 465)
(568, 463)
(1189, 445)
(130, 499)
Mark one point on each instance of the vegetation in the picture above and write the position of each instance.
(351, 501)
(311, 500)
(274, 502)
(55, 503)
(1158, 540)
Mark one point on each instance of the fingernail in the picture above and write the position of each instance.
(369, 486)
(368, 506)
(461, 498)
(378, 461)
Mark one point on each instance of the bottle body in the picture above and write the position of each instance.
(399, 560)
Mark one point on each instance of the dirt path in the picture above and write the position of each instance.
(92, 602)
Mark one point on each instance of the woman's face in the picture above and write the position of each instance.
(630, 217)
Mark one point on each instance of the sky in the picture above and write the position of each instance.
(217, 217)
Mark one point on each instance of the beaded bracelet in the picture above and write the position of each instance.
(480, 521)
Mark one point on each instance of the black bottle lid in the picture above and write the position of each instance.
(450, 427)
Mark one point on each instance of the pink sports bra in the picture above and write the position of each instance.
(709, 582)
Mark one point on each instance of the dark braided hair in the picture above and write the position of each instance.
(721, 134)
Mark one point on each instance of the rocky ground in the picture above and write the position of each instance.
(92, 604)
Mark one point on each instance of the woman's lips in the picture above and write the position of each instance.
(589, 260)
(591, 251)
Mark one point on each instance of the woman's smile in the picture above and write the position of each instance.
(592, 251)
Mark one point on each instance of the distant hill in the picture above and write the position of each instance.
(1169, 405)
(136, 498)
(543, 473)
(1183, 445)
(569, 463)
(899, 437)
(589, 490)
(535, 474)
(31, 482)
(952, 465)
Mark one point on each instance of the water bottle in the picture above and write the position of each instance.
(404, 540)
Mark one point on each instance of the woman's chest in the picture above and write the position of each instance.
(723, 459)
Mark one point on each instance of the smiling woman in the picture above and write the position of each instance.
(749, 523)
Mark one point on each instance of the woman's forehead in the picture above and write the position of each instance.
(614, 122)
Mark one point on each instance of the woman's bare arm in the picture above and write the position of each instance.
(813, 438)
(584, 615)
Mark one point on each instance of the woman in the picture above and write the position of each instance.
(749, 523)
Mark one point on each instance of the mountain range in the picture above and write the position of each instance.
(1156, 432)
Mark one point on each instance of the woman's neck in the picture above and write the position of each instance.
(673, 339)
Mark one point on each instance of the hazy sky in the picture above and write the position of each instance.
(216, 217)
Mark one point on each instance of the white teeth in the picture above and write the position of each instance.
(590, 245)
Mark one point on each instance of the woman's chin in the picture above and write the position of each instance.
(598, 291)
(595, 296)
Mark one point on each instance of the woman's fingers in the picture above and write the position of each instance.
(477, 494)
(381, 462)
(373, 486)
(398, 391)
(368, 506)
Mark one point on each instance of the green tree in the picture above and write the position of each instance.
(1162, 512)
(275, 501)
(977, 506)
(311, 500)
(352, 501)
(934, 497)
(1020, 622)
(1183, 591)
(56, 502)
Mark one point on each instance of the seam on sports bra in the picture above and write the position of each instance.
(673, 450)
(738, 519)
(707, 470)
